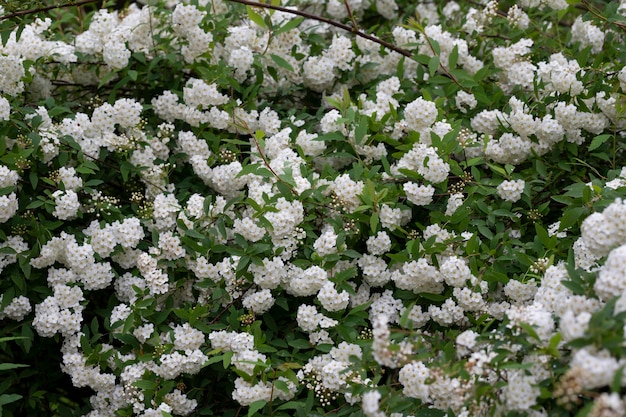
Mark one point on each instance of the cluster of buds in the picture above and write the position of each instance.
(540, 265)
(366, 334)
(534, 215)
(459, 186)
(349, 226)
(227, 156)
(313, 382)
(466, 137)
(102, 204)
(247, 319)
(569, 388)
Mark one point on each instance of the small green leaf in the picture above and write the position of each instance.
(256, 406)
(281, 62)
(374, 221)
(433, 65)
(361, 130)
(454, 56)
(598, 141)
(299, 344)
(571, 216)
(7, 366)
(226, 358)
(8, 398)
(255, 17)
(145, 385)
(292, 24)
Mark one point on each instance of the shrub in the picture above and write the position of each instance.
(372, 208)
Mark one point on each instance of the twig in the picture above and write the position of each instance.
(331, 22)
(45, 9)
(355, 26)
(263, 157)
(443, 67)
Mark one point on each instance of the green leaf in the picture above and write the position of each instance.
(291, 405)
(145, 385)
(107, 78)
(374, 221)
(292, 24)
(299, 344)
(256, 406)
(571, 216)
(255, 17)
(544, 238)
(8, 398)
(454, 56)
(226, 358)
(472, 245)
(361, 130)
(598, 141)
(616, 385)
(281, 62)
(7, 366)
(584, 412)
(433, 65)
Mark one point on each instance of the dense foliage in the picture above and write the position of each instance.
(312, 208)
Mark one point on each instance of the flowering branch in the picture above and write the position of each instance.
(347, 28)
(45, 9)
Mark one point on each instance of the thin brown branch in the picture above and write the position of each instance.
(47, 8)
(263, 157)
(355, 26)
(443, 67)
(331, 22)
(586, 5)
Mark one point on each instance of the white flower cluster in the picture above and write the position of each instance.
(329, 374)
(326, 244)
(126, 234)
(511, 190)
(80, 261)
(560, 75)
(552, 4)
(605, 234)
(18, 308)
(8, 203)
(66, 204)
(605, 231)
(5, 109)
(16, 245)
(424, 160)
(12, 71)
(588, 35)
(185, 22)
(258, 301)
(248, 360)
(379, 244)
(510, 148)
(315, 323)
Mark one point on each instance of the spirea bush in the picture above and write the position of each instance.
(313, 208)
